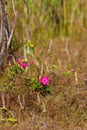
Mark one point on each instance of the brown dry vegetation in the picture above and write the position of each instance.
(58, 34)
(66, 106)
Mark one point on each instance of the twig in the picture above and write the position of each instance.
(20, 103)
(28, 20)
(23, 100)
(38, 98)
(14, 59)
(25, 54)
(67, 50)
(14, 8)
(14, 23)
(41, 70)
(76, 77)
(44, 107)
(10, 63)
(50, 46)
(3, 101)
(60, 65)
(47, 66)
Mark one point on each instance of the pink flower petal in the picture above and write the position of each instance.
(44, 80)
(24, 65)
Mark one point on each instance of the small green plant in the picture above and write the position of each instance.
(16, 68)
(8, 86)
(54, 67)
(67, 73)
(9, 117)
(13, 44)
(39, 87)
(43, 45)
(29, 47)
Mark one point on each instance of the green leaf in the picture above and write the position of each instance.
(43, 44)
(29, 44)
(31, 51)
(7, 88)
(5, 109)
(34, 86)
(14, 120)
(48, 89)
(67, 73)
(54, 67)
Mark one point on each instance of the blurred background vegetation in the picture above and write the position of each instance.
(41, 19)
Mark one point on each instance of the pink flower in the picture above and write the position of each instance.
(19, 61)
(44, 80)
(24, 65)
(72, 71)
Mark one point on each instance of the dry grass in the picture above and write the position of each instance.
(66, 106)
